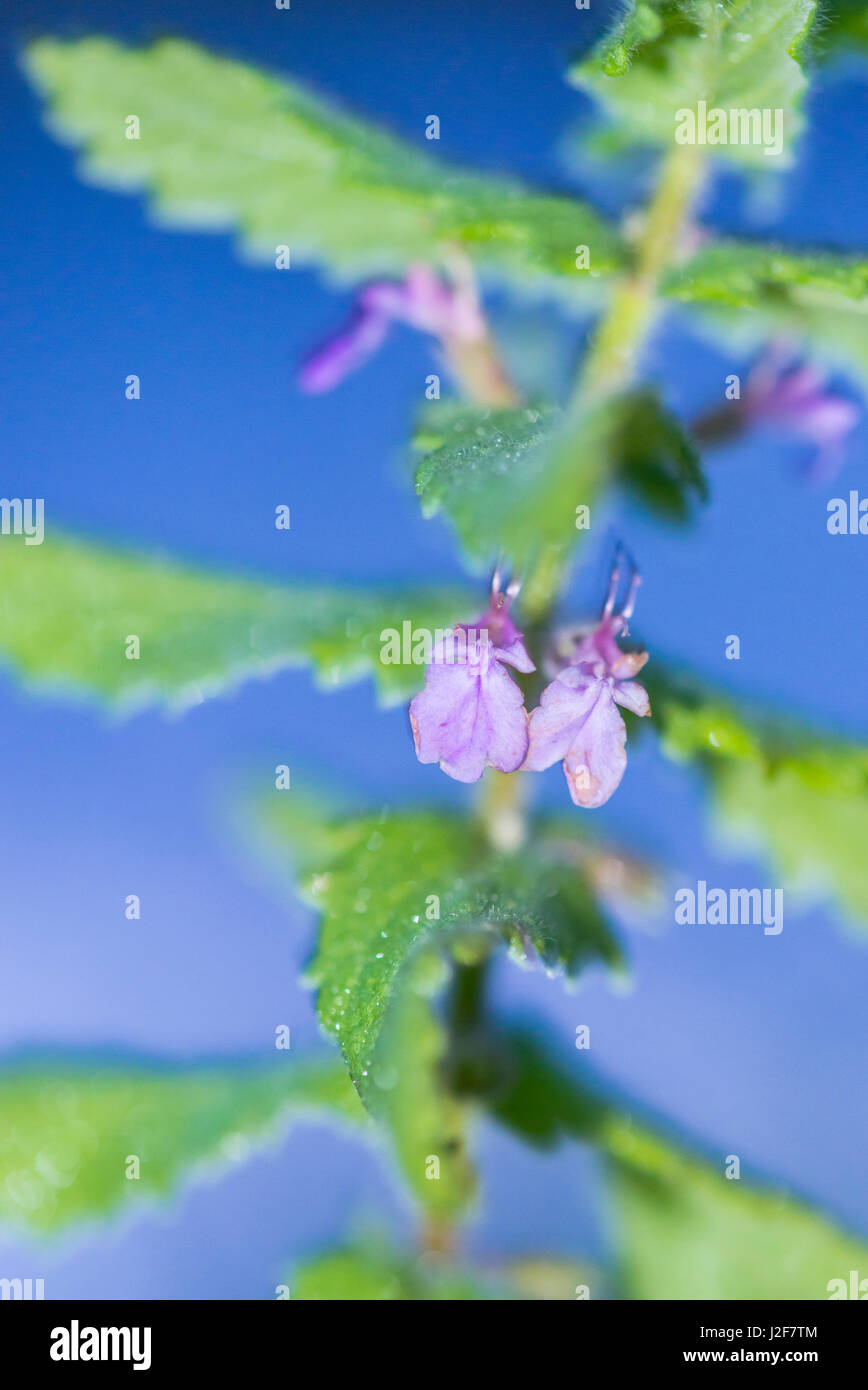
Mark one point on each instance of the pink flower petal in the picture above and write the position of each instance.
(516, 655)
(470, 716)
(632, 696)
(556, 723)
(597, 757)
(341, 355)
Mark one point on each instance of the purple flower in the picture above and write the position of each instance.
(797, 397)
(577, 720)
(471, 713)
(421, 300)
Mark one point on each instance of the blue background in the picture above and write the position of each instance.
(754, 1044)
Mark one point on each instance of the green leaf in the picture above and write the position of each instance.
(71, 1128)
(391, 888)
(69, 609)
(224, 146)
(696, 722)
(542, 907)
(403, 1086)
(665, 56)
(538, 1100)
(551, 1280)
(686, 1231)
(655, 459)
(811, 814)
(426, 1123)
(510, 481)
(486, 468)
(845, 25)
(396, 882)
(373, 1272)
(683, 1230)
(819, 302)
(800, 798)
(756, 275)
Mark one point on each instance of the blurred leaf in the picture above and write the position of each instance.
(539, 1100)
(373, 1272)
(70, 1128)
(817, 303)
(799, 798)
(753, 275)
(656, 460)
(549, 1280)
(426, 1123)
(396, 882)
(684, 1230)
(811, 813)
(615, 874)
(67, 609)
(662, 56)
(697, 722)
(223, 146)
(688, 1232)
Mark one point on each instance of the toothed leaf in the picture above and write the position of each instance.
(72, 1129)
(663, 57)
(222, 146)
(68, 610)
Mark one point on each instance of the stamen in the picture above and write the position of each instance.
(635, 581)
(614, 582)
(513, 589)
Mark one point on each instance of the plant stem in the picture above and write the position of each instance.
(437, 1237)
(543, 586)
(501, 810)
(466, 1004)
(612, 360)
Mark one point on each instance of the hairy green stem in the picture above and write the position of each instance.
(611, 363)
(501, 810)
(612, 360)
